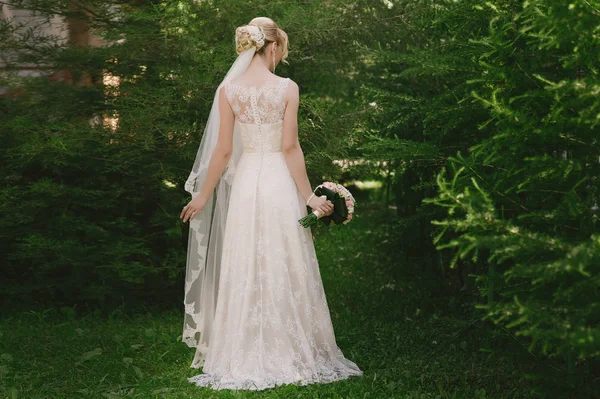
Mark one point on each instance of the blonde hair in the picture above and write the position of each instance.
(246, 36)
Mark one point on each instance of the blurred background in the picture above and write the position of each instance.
(468, 131)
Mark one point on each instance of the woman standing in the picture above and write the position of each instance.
(256, 310)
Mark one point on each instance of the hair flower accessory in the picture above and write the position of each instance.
(249, 36)
(257, 35)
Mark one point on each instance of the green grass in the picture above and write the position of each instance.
(410, 342)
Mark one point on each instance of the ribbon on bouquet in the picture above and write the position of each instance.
(339, 214)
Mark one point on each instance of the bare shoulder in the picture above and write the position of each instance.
(224, 96)
(293, 91)
(223, 92)
(293, 86)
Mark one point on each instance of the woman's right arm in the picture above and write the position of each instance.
(218, 159)
(294, 157)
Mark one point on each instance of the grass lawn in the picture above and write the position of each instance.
(410, 342)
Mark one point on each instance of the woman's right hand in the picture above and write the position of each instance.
(192, 208)
(321, 204)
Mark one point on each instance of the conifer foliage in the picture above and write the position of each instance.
(94, 153)
(526, 195)
(489, 115)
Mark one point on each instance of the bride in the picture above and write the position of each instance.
(255, 309)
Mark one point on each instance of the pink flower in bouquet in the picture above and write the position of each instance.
(348, 219)
(329, 185)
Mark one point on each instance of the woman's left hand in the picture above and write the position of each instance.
(192, 208)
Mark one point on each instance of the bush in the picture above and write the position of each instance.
(526, 196)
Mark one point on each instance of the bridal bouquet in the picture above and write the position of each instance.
(343, 205)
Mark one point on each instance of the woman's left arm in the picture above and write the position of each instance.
(218, 160)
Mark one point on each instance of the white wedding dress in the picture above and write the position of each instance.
(272, 324)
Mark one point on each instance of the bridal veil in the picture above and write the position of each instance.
(205, 240)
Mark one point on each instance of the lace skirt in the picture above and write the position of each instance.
(272, 324)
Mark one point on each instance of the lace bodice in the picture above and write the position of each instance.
(264, 105)
(259, 112)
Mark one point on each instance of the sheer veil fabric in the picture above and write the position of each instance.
(205, 240)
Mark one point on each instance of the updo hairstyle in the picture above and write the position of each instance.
(260, 32)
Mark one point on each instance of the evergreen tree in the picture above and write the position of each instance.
(525, 196)
(94, 156)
